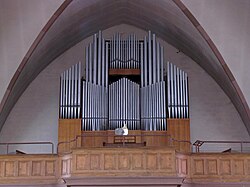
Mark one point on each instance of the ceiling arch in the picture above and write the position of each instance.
(76, 20)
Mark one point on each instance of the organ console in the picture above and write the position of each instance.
(125, 80)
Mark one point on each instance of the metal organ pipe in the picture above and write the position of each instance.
(158, 70)
(115, 50)
(154, 66)
(142, 66)
(61, 97)
(95, 58)
(72, 92)
(139, 42)
(64, 94)
(106, 66)
(181, 94)
(164, 105)
(178, 92)
(136, 53)
(186, 95)
(67, 93)
(71, 98)
(123, 100)
(90, 63)
(103, 104)
(172, 90)
(162, 67)
(75, 91)
(99, 57)
(145, 61)
(169, 90)
(132, 51)
(149, 58)
(120, 52)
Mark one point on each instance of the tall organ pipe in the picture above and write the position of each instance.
(142, 66)
(83, 104)
(90, 63)
(64, 94)
(110, 107)
(106, 100)
(103, 83)
(134, 42)
(169, 87)
(149, 59)
(67, 93)
(162, 67)
(94, 59)
(178, 91)
(75, 91)
(164, 105)
(181, 94)
(106, 67)
(158, 70)
(138, 108)
(70, 92)
(154, 65)
(119, 51)
(99, 57)
(61, 97)
(153, 101)
(145, 61)
(115, 50)
(186, 87)
(87, 63)
(130, 47)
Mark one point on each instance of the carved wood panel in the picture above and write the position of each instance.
(23, 168)
(10, 169)
(28, 168)
(123, 161)
(219, 167)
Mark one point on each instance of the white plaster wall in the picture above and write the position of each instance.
(227, 22)
(35, 116)
(21, 21)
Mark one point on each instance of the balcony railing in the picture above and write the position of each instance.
(222, 146)
(130, 140)
(9, 146)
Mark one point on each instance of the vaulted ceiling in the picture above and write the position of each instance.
(169, 19)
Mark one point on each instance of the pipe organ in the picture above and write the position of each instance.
(124, 81)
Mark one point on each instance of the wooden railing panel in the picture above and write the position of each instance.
(123, 162)
(214, 167)
(28, 169)
(144, 161)
(183, 165)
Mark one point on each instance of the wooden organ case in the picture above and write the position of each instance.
(124, 81)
